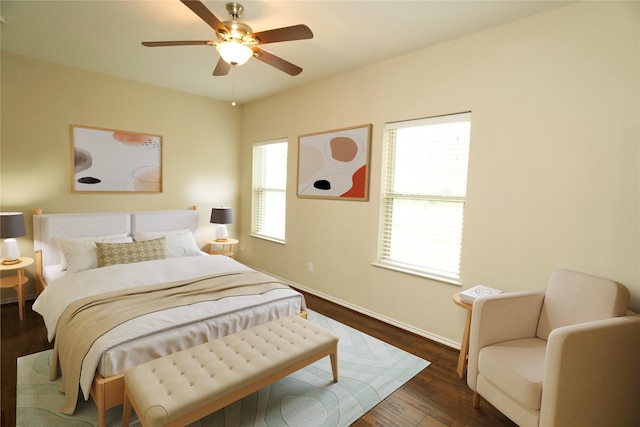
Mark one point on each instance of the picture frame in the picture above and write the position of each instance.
(115, 161)
(335, 164)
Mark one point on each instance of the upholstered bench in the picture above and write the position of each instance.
(183, 387)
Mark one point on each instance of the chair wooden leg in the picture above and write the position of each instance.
(476, 400)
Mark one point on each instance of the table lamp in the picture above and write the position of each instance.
(221, 216)
(11, 226)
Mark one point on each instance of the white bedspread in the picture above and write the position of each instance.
(60, 293)
(161, 333)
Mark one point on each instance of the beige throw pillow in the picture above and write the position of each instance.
(127, 253)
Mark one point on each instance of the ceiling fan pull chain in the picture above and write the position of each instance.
(233, 79)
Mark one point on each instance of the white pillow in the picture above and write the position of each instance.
(179, 242)
(79, 253)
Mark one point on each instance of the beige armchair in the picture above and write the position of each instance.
(561, 357)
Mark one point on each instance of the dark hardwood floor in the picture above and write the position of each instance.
(435, 397)
(17, 338)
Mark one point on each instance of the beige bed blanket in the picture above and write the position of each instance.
(87, 319)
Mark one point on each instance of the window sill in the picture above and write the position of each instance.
(269, 239)
(417, 273)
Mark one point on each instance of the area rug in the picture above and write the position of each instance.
(369, 371)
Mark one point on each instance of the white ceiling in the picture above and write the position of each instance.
(105, 36)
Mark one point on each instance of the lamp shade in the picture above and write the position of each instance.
(221, 216)
(12, 225)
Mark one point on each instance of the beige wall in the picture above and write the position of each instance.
(553, 178)
(40, 100)
(553, 174)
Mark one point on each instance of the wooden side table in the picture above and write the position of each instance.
(17, 281)
(464, 347)
(227, 247)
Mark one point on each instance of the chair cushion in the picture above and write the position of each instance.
(573, 297)
(516, 368)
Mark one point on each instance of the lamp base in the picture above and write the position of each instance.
(10, 252)
(221, 233)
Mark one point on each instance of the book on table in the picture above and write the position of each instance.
(470, 295)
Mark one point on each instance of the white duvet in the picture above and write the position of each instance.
(161, 333)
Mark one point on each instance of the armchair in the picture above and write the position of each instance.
(561, 357)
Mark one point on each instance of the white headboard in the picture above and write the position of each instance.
(164, 221)
(48, 226)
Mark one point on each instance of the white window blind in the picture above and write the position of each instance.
(424, 186)
(268, 212)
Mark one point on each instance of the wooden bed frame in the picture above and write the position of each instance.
(106, 392)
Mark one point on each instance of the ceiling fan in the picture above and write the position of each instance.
(237, 42)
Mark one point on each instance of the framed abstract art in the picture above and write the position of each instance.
(114, 161)
(335, 164)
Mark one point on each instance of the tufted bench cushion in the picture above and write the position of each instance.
(183, 387)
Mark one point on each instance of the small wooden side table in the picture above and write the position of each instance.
(464, 347)
(227, 247)
(17, 281)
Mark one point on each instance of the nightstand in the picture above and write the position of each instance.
(17, 281)
(464, 348)
(226, 245)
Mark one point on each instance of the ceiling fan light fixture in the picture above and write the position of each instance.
(234, 53)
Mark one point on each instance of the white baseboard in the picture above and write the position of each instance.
(378, 316)
(9, 300)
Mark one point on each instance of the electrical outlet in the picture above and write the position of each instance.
(310, 267)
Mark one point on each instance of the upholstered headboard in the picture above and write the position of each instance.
(47, 227)
(164, 221)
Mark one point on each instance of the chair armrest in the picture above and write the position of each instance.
(500, 318)
(505, 317)
(592, 374)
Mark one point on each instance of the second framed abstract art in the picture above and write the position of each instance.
(335, 164)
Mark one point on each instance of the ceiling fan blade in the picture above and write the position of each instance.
(180, 43)
(206, 15)
(295, 32)
(222, 68)
(277, 62)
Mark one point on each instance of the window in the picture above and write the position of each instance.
(424, 185)
(269, 189)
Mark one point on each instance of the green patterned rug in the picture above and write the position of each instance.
(369, 371)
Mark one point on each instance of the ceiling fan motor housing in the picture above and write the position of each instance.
(238, 30)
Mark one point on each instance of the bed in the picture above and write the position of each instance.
(84, 257)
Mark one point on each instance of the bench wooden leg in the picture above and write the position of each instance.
(334, 365)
